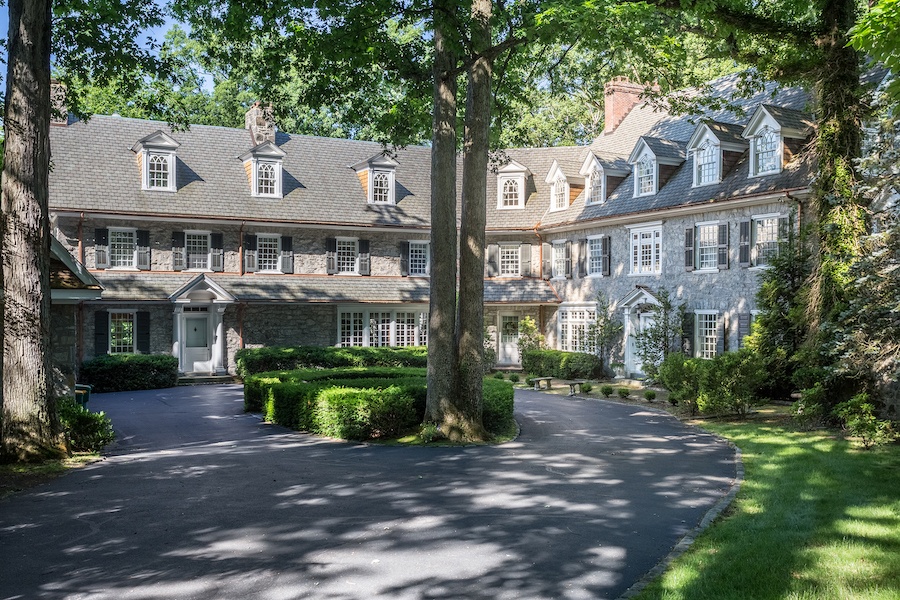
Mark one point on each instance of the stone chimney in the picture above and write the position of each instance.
(621, 96)
(260, 120)
(59, 113)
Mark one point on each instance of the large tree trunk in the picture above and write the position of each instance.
(442, 371)
(30, 428)
(470, 322)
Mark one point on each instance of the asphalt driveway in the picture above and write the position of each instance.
(201, 501)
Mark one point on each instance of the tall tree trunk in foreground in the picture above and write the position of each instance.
(30, 428)
(470, 322)
(442, 372)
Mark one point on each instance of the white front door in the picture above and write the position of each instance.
(508, 351)
(197, 347)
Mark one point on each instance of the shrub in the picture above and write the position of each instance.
(730, 382)
(530, 337)
(683, 377)
(564, 365)
(430, 432)
(649, 395)
(606, 390)
(624, 392)
(251, 361)
(360, 414)
(498, 407)
(586, 387)
(85, 431)
(514, 377)
(858, 417)
(498, 375)
(123, 372)
(809, 411)
(529, 381)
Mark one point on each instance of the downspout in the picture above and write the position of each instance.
(80, 238)
(241, 257)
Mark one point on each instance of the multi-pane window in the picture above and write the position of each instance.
(767, 153)
(379, 329)
(706, 160)
(418, 258)
(575, 330)
(121, 247)
(595, 256)
(346, 256)
(509, 260)
(646, 176)
(381, 188)
(646, 251)
(423, 328)
(158, 171)
(121, 332)
(559, 193)
(266, 179)
(406, 329)
(268, 251)
(382, 326)
(197, 248)
(708, 246)
(559, 259)
(766, 240)
(595, 189)
(707, 334)
(351, 328)
(509, 196)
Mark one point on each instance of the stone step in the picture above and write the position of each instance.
(206, 379)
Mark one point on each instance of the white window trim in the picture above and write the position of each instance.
(412, 243)
(754, 220)
(501, 180)
(697, 226)
(260, 236)
(145, 175)
(367, 311)
(655, 175)
(779, 153)
(632, 229)
(553, 247)
(133, 266)
(508, 245)
(355, 271)
(718, 164)
(567, 308)
(254, 177)
(697, 344)
(392, 196)
(560, 180)
(590, 200)
(109, 341)
(587, 258)
(187, 259)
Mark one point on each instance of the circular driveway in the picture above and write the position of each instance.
(201, 501)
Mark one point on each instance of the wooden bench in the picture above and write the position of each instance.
(573, 384)
(537, 382)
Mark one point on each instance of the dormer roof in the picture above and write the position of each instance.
(729, 136)
(556, 170)
(266, 150)
(666, 152)
(614, 166)
(379, 161)
(792, 123)
(158, 140)
(514, 168)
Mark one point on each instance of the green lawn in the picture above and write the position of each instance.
(816, 518)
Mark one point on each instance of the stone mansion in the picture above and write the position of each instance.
(215, 239)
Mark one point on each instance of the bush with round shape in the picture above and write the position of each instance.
(85, 431)
(649, 395)
(606, 390)
(624, 392)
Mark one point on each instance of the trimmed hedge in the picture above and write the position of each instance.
(124, 372)
(251, 361)
(564, 365)
(497, 411)
(361, 414)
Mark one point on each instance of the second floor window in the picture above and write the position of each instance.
(121, 247)
(561, 260)
(268, 249)
(646, 251)
(708, 246)
(418, 258)
(509, 260)
(767, 237)
(197, 249)
(346, 256)
(595, 256)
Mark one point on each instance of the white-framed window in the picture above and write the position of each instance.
(707, 333)
(595, 187)
(196, 246)
(595, 256)
(766, 238)
(645, 176)
(419, 258)
(560, 257)
(706, 164)
(159, 171)
(509, 260)
(510, 192)
(766, 152)
(573, 329)
(559, 192)
(268, 252)
(381, 326)
(121, 332)
(707, 241)
(266, 178)
(122, 248)
(347, 255)
(646, 250)
(382, 187)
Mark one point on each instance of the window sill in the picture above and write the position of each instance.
(266, 272)
(776, 172)
(595, 276)
(126, 269)
(198, 270)
(706, 271)
(760, 267)
(652, 274)
(167, 190)
(510, 207)
(348, 274)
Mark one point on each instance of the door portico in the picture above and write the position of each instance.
(637, 316)
(198, 337)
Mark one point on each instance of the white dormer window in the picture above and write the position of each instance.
(645, 176)
(511, 186)
(766, 152)
(383, 187)
(706, 164)
(377, 176)
(266, 179)
(263, 164)
(156, 157)
(595, 187)
(159, 171)
(511, 193)
(559, 192)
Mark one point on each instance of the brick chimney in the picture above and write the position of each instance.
(260, 120)
(59, 113)
(621, 96)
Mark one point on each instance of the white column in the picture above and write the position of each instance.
(178, 335)
(218, 345)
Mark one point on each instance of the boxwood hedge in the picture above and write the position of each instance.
(564, 365)
(251, 361)
(123, 372)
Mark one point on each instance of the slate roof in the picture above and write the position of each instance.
(138, 287)
(727, 133)
(666, 148)
(789, 118)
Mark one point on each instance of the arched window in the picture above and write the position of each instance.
(707, 164)
(510, 196)
(559, 193)
(158, 171)
(381, 188)
(646, 176)
(265, 179)
(595, 192)
(767, 151)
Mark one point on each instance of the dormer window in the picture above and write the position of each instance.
(706, 164)
(559, 191)
(511, 193)
(602, 176)
(377, 177)
(595, 187)
(564, 187)
(776, 135)
(263, 164)
(645, 176)
(654, 161)
(767, 152)
(382, 187)
(511, 186)
(156, 158)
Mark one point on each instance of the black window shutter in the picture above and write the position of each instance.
(143, 249)
(605, 242)
(723, 246)
(744, 244)
(525, 260)
(101, 332)
(287, 254)
(492, 264)
(251, 264)
(217, 252)
(582, 258)
(687, 334)
(331, 255)
(365, 259)
(546, 261)
(568, 259)
(177, 250)
(743, 328)
(142, 331)
(689, 249)
(101, 248)
(404, 259)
